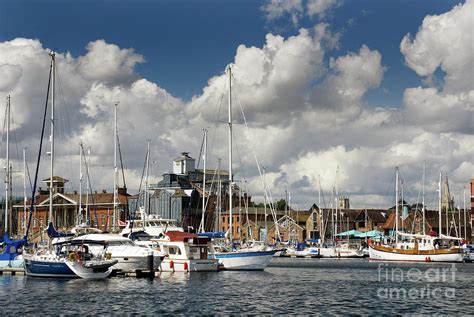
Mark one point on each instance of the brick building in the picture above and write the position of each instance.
(66, 210)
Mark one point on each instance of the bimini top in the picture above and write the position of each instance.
(53, 233)
(348, 233)
(180, 236)
(370, 234)
(16, 243)
(212, 234)
(81, 242)
(177, 236)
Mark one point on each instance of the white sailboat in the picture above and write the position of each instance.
(417, 247)
(242, 259)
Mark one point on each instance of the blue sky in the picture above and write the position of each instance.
(187, 42)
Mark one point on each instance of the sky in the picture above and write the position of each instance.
(363, 85)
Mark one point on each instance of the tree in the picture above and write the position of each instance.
(281, 204)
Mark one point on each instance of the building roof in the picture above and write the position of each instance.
(356, 215)
(73, 199)
(184, 156)
(56, 179)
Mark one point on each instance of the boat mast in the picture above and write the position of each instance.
(201, 226)
(114, 215)
(240, 211)
(229, 70)
(146, 207)
(402, 200)
(319, 191)
(88, 183)
(396, 204)
(320, 213)
(448, 205)
(464, 207)
(439, 201)
(423, 201)
(265, 201)
(53, 77)
(7, 169)
(25, 198)
(337, 199)
(79, 213)
(219, 197)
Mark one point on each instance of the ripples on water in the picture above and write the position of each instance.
(290, 286)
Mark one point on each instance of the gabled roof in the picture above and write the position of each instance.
(286, 222)
(94, 199)
(46, 201)
(56, 179)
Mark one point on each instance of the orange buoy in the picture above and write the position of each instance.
(186, 266)
(171, 264)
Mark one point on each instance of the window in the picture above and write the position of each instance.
(174, 250)
(103, 220)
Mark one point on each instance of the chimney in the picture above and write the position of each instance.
(122, 191)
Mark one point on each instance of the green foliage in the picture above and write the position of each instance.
(280, 204)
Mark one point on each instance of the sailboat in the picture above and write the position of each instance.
(65, 259)
(241, 259)
(145, 225)
(10, 250)
(417, 247)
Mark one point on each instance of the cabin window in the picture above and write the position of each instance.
(174, 250)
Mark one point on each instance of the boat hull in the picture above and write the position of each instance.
(48, 268)
(12, 262)
(381, 253)
(134, 263)
(97, 271)
(339, 253)
(180, 265)
(51, 266)
(248, 261)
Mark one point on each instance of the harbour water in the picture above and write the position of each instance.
(289, 286)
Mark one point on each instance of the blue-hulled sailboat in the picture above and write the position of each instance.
(69, 259)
